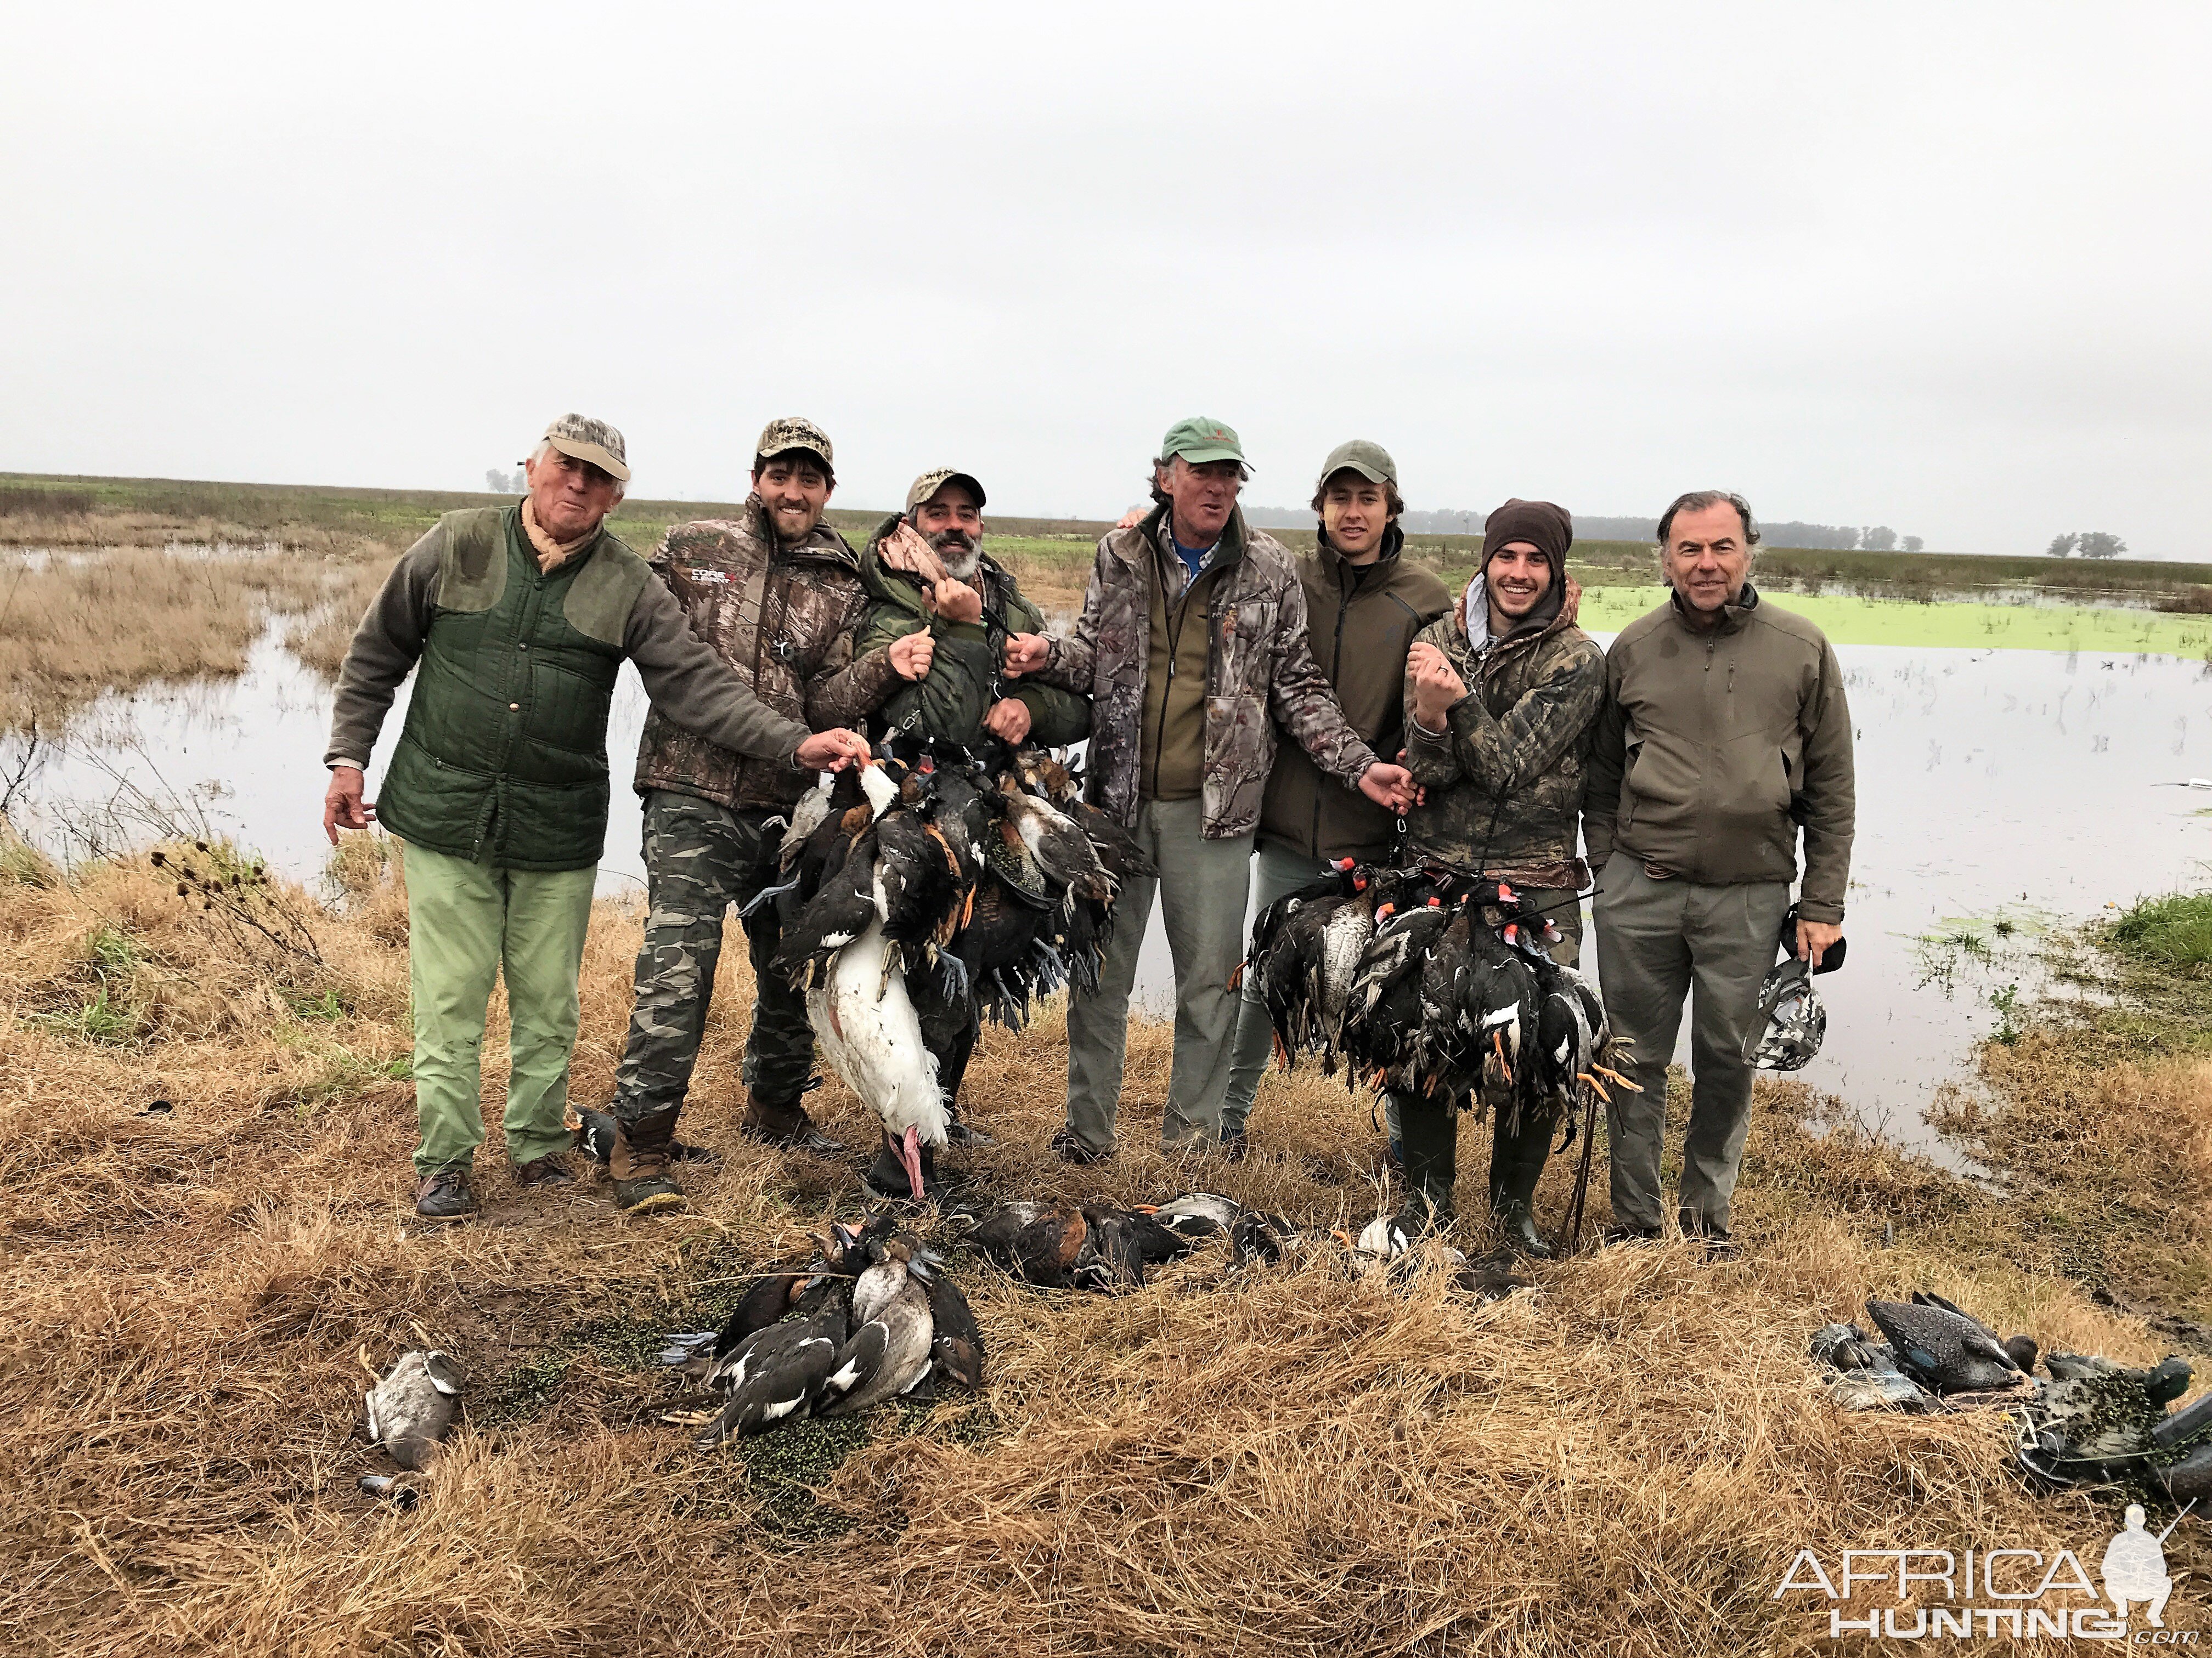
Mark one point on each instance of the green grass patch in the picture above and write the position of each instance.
(1852, 621)
(2173, 933)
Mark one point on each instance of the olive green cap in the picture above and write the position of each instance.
(935, 479)
(1371, 460)
(581, 438)
(788, 432)
(1198, 439)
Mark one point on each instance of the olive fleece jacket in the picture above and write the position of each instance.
(1718, 744)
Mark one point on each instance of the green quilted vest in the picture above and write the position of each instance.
(503, 758)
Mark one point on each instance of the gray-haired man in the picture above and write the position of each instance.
(518, 618)
(1725, 730)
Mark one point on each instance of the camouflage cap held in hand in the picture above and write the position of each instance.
(930, 483)
(1371, 460)
(592, 441)
(1198, 440)
(789, 431)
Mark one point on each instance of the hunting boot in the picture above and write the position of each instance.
(443, 1193)
(1428, 1133)
(886, 1176)
(785, 1123)
(639, 1163)
(1516, 1163)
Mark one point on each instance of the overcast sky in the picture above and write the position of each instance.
(1940, 267)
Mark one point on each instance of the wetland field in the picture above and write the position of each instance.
(205, 1116)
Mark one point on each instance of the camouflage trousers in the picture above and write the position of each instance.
(700, 859)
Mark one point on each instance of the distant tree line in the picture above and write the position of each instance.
(2090, 543)
(503, 483)
(1783, 532)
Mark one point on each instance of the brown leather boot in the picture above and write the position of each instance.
(639, 1163)
(785, 1123)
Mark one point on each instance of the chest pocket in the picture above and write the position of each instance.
(1248, 644)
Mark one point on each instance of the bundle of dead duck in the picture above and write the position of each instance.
(2086, 1421)
(1102, 1247)
(1433, 985)
(870, 1317)
(921, 895)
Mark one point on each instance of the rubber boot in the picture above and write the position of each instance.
(1516, 1163)
(785, 1123)
(639, 1163)
(1428, 1130)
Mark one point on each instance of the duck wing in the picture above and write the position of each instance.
(886, 1355)
(773, 1381)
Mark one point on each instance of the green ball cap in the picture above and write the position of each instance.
(1371, 460)
(1198, 439)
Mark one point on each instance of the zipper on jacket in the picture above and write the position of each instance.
(1175, 620)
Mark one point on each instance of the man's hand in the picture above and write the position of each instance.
(910, 655)
(1009, 719)
(1815, 940)
(1436, 685)
(342, 806)
(834, 750)
(1026, 654)
(956, 601)
(1389, 785)
(905, 550)
(1132, 518)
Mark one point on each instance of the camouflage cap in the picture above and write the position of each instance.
(789, 431)
(1199, 439)
(1371, 460)
(592, 441)
(931, 481)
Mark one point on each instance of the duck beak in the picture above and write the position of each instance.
(910, 1155)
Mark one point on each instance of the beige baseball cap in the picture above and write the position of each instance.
(788, 432)
(581, 437)
(930, 483)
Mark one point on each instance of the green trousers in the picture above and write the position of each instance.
(465, 923)
(1657, 942)
(1201, 886)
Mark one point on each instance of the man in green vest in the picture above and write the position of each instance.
(516, 620)
(1364, 604)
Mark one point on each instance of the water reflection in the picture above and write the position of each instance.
(2000, 792)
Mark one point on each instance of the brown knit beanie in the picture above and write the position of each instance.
(1549, 529)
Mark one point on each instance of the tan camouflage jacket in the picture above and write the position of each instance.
(1504, 781)
(1260, 673)
(783, 617)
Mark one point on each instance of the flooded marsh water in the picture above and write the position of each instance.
(2003, 792)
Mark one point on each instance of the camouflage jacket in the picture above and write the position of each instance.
(1260, 672)
(1504, 780)
(783, 617)
(950, 701)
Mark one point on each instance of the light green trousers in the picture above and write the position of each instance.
(465, 922)
(1201, 886)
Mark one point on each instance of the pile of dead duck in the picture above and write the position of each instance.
(871, 1315)
(2086, 1421)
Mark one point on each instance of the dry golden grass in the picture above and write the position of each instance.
(1294, 1461)
(76, 625)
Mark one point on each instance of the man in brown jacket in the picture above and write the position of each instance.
(1364, 604)
(1725, 732)
(776, 593)
(1192, 646)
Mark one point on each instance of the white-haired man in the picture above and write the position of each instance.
(515, 620)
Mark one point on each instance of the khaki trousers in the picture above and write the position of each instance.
(1657, 941)
(1203, 885)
